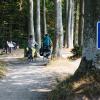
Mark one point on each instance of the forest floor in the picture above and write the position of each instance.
(33, 81)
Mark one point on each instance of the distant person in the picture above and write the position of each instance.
(10, 46)
(47, 41)
(5, 49)
(32, 44)
(15, 45)
(46, 46)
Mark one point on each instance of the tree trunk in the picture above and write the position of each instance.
(66, 33)
(76, 22)
(70, 24)
(38, 31)
(31, 23)
(81, 23)
(90, 52)
(58, 42)
(44, 17)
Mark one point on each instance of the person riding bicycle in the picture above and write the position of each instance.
(32, 44)
(46, 46)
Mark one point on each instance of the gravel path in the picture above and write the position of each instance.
(25, 81)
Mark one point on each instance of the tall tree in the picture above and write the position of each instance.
(90, 52)
(31, 22)
(81, 22)
(66, 26)
(38, 28)
(70, 23)
(76, 22)
(58, 43)
(44, 16)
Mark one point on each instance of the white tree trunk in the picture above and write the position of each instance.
(31, 22)
(38, 31)
(71, 24)
(44, 15)
(59, 27)
(76, 22)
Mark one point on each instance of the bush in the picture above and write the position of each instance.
(77, 51)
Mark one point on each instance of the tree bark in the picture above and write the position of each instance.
(58, 42)
(90, 52)
(66, 33)
(44, 17)
(31, 22)
(38, 28)
(76, 17)
(70, 24)
(81, 23)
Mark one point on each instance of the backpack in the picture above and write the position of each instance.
(47, 41)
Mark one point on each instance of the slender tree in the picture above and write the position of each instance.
(76, 22)
(38, 28)
(70, 23)
(58, 43)
(31, 22)
(81, 23)
(67, 14)
(44, 16)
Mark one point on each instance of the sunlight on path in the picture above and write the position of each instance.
(28, 82)
(24, 81)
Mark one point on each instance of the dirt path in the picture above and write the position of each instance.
(25, 81)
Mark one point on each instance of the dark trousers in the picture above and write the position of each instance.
(30, 53)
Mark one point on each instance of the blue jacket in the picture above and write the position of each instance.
(47, 41)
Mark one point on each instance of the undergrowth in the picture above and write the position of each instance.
(77, 53)
(85, 88)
